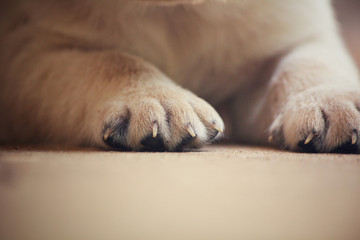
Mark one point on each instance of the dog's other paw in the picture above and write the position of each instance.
(320, 120)
(163, 119)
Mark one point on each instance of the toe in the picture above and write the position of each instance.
(183, 122)
(209, 117)
(148, 126)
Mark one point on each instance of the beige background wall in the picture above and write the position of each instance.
(349, 17)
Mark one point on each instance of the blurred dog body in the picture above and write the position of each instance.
(113, 73)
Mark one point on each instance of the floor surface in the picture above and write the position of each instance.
(221, 192)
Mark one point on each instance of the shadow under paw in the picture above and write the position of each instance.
(153, 144)
(184, 143)
(115, 137)
(307, 148)
(347, 147)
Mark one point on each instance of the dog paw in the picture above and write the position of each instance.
(319, 120)
(166, 119)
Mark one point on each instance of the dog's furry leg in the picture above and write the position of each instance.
(102, 98)
(312, 101)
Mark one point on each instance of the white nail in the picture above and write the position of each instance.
(107, 133)
(191, 131)
(155, 129)
(354, 138)
(309, 138)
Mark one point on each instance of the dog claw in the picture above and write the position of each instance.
(218, 129)
(155, 128)
(309, 138)
(354, 137)
(270, 138)
(191, 131)
(107, 134)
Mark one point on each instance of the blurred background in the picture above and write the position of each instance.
(348, 12)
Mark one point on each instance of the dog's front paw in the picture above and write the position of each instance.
(161, 119)
(320, 120)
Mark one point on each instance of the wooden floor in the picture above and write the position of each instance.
(221, 192)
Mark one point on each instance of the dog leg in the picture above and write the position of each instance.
(312, 101)
(106, 99)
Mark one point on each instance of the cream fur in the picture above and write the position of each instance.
(74, 71)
